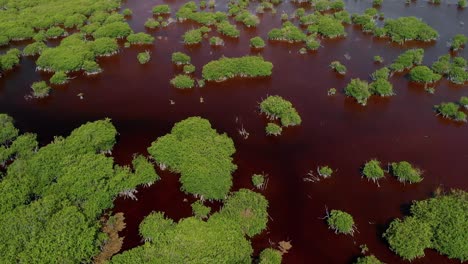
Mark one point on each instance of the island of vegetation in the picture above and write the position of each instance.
(276, 107)
(200, 155)
(228, 68)
(438, 223)
(341, 222)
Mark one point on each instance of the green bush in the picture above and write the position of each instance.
(4, 40)
(409, 28)
(273, 129)
(10, 59)
(382, 73)
(358, 89)
(288, 32)
(189, 68)
(405, 172)
(40, 89)
(341, 222)
(200, 155)
(199, 210)
(371, 259)
(227, 29)
(408, 238)
(180, 58)
(451, 111)
(144, 57)
(227, 68)
(113, 30)
(442, 65)
(377, 2)
(193, 36)
(34, 48)
(161, 9)
(55, 32)
(462, 3)
(270, 256)
(457, 75)
(216, 41)
(464, 101)
(104, 47)
(154, 226)
(458, 41)
(151, 23)
(91, 68)
(325, 171)
(127, 12)
(258, 180)
(330, 27)
(423, 74)
(378, 59)
(59, 77)
(381, 87)
(373, 171)
(277, 107)
(338, 67)
(257, 42)
(407, 59)
(183, 81)
(140, 38)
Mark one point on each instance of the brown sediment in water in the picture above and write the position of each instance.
(335, 130)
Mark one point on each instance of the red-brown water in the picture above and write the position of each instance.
(335, 130)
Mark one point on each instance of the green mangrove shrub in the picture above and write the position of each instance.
(373, 171)
(341, 222)
(257, 43)
(405, 172)
(450, 111)
(227, 68)
(40, 89)
(359, 90)
(144, 57)
(273, 129)
(183, 81)
(276, 107)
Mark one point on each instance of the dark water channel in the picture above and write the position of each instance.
(335, 130)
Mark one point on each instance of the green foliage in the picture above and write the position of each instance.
(338, 67)
(193, 36)
(408, 238)
(144, 57)
(258, 180)
(405, 172)
(59, 77)
(312, 43)
(377, 2)
(4, 40)
(151, 23)
(113, 30)
(216, 41)
(382, 73)
(180, 58)
(457, 75)
(423, 74)
(381, 87)
(140, 38)
(227, 29)
(273, 129)
(277, 107)
(378, 59)
(325, 171)
(127, 12)
(464, 101)
(451, 111)
(288, 32)
(189, 68)
(373, 171)
(161, 9)
(183, 81)
(270, 256)
(200, 155)
(462, 3)
(442, 65)
(247, 18)
(53, 197)
(40, 89)
(371, 259)
(8, 132)
(330, 27)
(55, 32)
(407, 59)
(34, 48)
(10, 59)
(409, 28)
(247, 209)
(104, 47)
(153, 227)
(227, 68)
(199, 210)
(358, 89)
(458, 41)
(257, 42)
(341, 222)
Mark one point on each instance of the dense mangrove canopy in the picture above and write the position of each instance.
(200, 155)
(276, 107)
(227, 68)
(220, 239)
(440, 223)
(53, 196)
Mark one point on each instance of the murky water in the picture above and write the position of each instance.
(335, 130)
